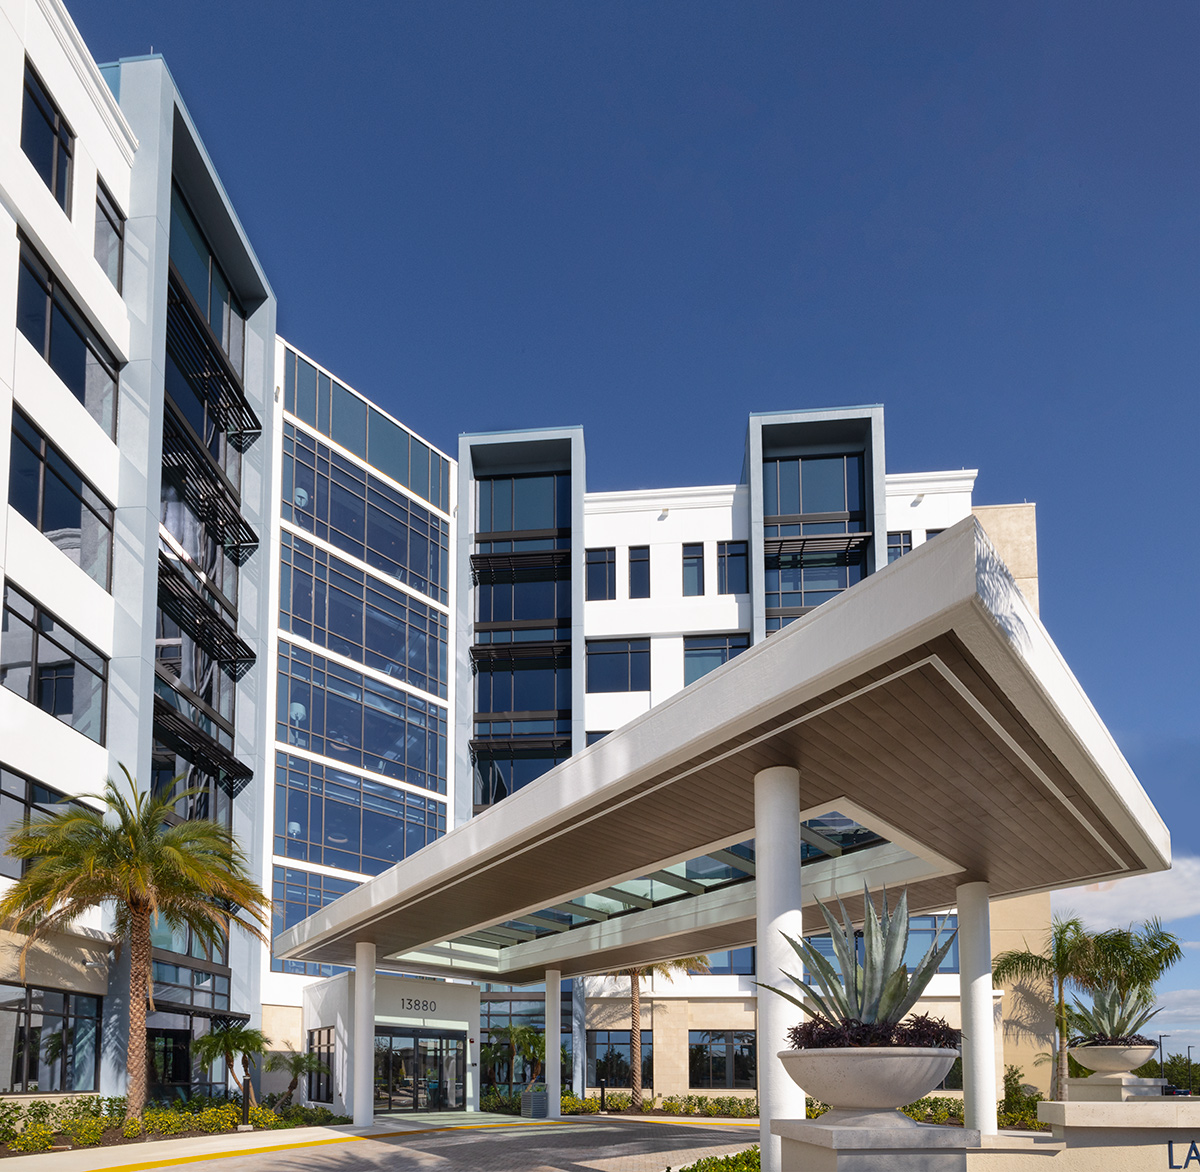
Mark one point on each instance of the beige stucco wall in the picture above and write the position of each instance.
(283, 1025)
(78, 963)
(1012, 529)
(1027, 1012)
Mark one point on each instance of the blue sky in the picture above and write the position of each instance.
(652, 218)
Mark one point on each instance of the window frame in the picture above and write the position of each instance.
(604, 561)
(42, 455)
(728, 551)
(734, 644)
(56, 298)
(899, 542)
(639, 555)
(107, 209)
(61, 132)
(40, 613)
(65, 1061)
(321, 1043)
(609, 647)
(694, 561)
(729, 1041)
(592, 1058)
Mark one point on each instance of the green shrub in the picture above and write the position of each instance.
(33, 1137)
(10, 1120)
(934, 1109)
(115, 1107)
(617, 1101)
(86, 1131)
(43, 1112)
(165, 1121)
(499, 1101)
(224, 1117)
(132, 1128)
(294, 1115)
(264, 1117)
(573, 1105)
(747, 1161)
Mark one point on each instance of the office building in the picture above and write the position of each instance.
(220, 561)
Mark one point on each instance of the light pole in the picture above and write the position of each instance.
(1162, 1069)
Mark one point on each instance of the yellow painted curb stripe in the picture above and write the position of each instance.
(311, 1143)
(345, 1139)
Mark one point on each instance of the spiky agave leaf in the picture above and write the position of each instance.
(1113, 1015)
(827, 977)
(873, 949)
(844, 949)
(880, 990)
(924, 971)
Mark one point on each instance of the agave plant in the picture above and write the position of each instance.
(877, 991)
(1112, 1017)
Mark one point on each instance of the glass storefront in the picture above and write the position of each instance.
(419, 1070)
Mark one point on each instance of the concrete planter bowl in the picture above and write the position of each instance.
(866, 1084)
(1104, 1060)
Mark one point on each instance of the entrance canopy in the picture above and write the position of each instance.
(940, 740)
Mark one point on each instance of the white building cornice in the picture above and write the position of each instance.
(88, 71)
(646, 499)
(913, 483)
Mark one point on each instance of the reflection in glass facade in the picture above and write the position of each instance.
(339, 819)
(608, 1057)
(329, 710)
(295, 895)
(333, 410)
(46, 663)
(721, 1059)
(57, 501)
(333, 604)
(337, 501)
(49, 1041)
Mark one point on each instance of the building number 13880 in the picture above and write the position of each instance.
(423, 1006)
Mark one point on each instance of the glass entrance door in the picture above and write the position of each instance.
(419, 1070)
(443, 1064)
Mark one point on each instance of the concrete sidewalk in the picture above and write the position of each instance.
(452, 1140)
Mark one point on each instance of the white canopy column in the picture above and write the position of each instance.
(554, 1043)
(363, 1084)
(777, 867)
(979, 1030)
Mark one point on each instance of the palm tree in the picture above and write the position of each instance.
(292, 1062)
(668, 969)
(1135, 958)
(225, 1039)
(1129, 958)
(190, 875)
(1068, 958)
(523, 1042)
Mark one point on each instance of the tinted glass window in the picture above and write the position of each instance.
(46, 138)
(639, 571)
(110, 236)
(349, 425)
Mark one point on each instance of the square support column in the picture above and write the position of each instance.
(363, 1059)
(554, 1043)
(978, 1024)
(777, 910)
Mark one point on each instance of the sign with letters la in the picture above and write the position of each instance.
(1177, 1157)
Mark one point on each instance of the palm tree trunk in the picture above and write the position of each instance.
(635, 1039)
(287, 1099)
(139, 988)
